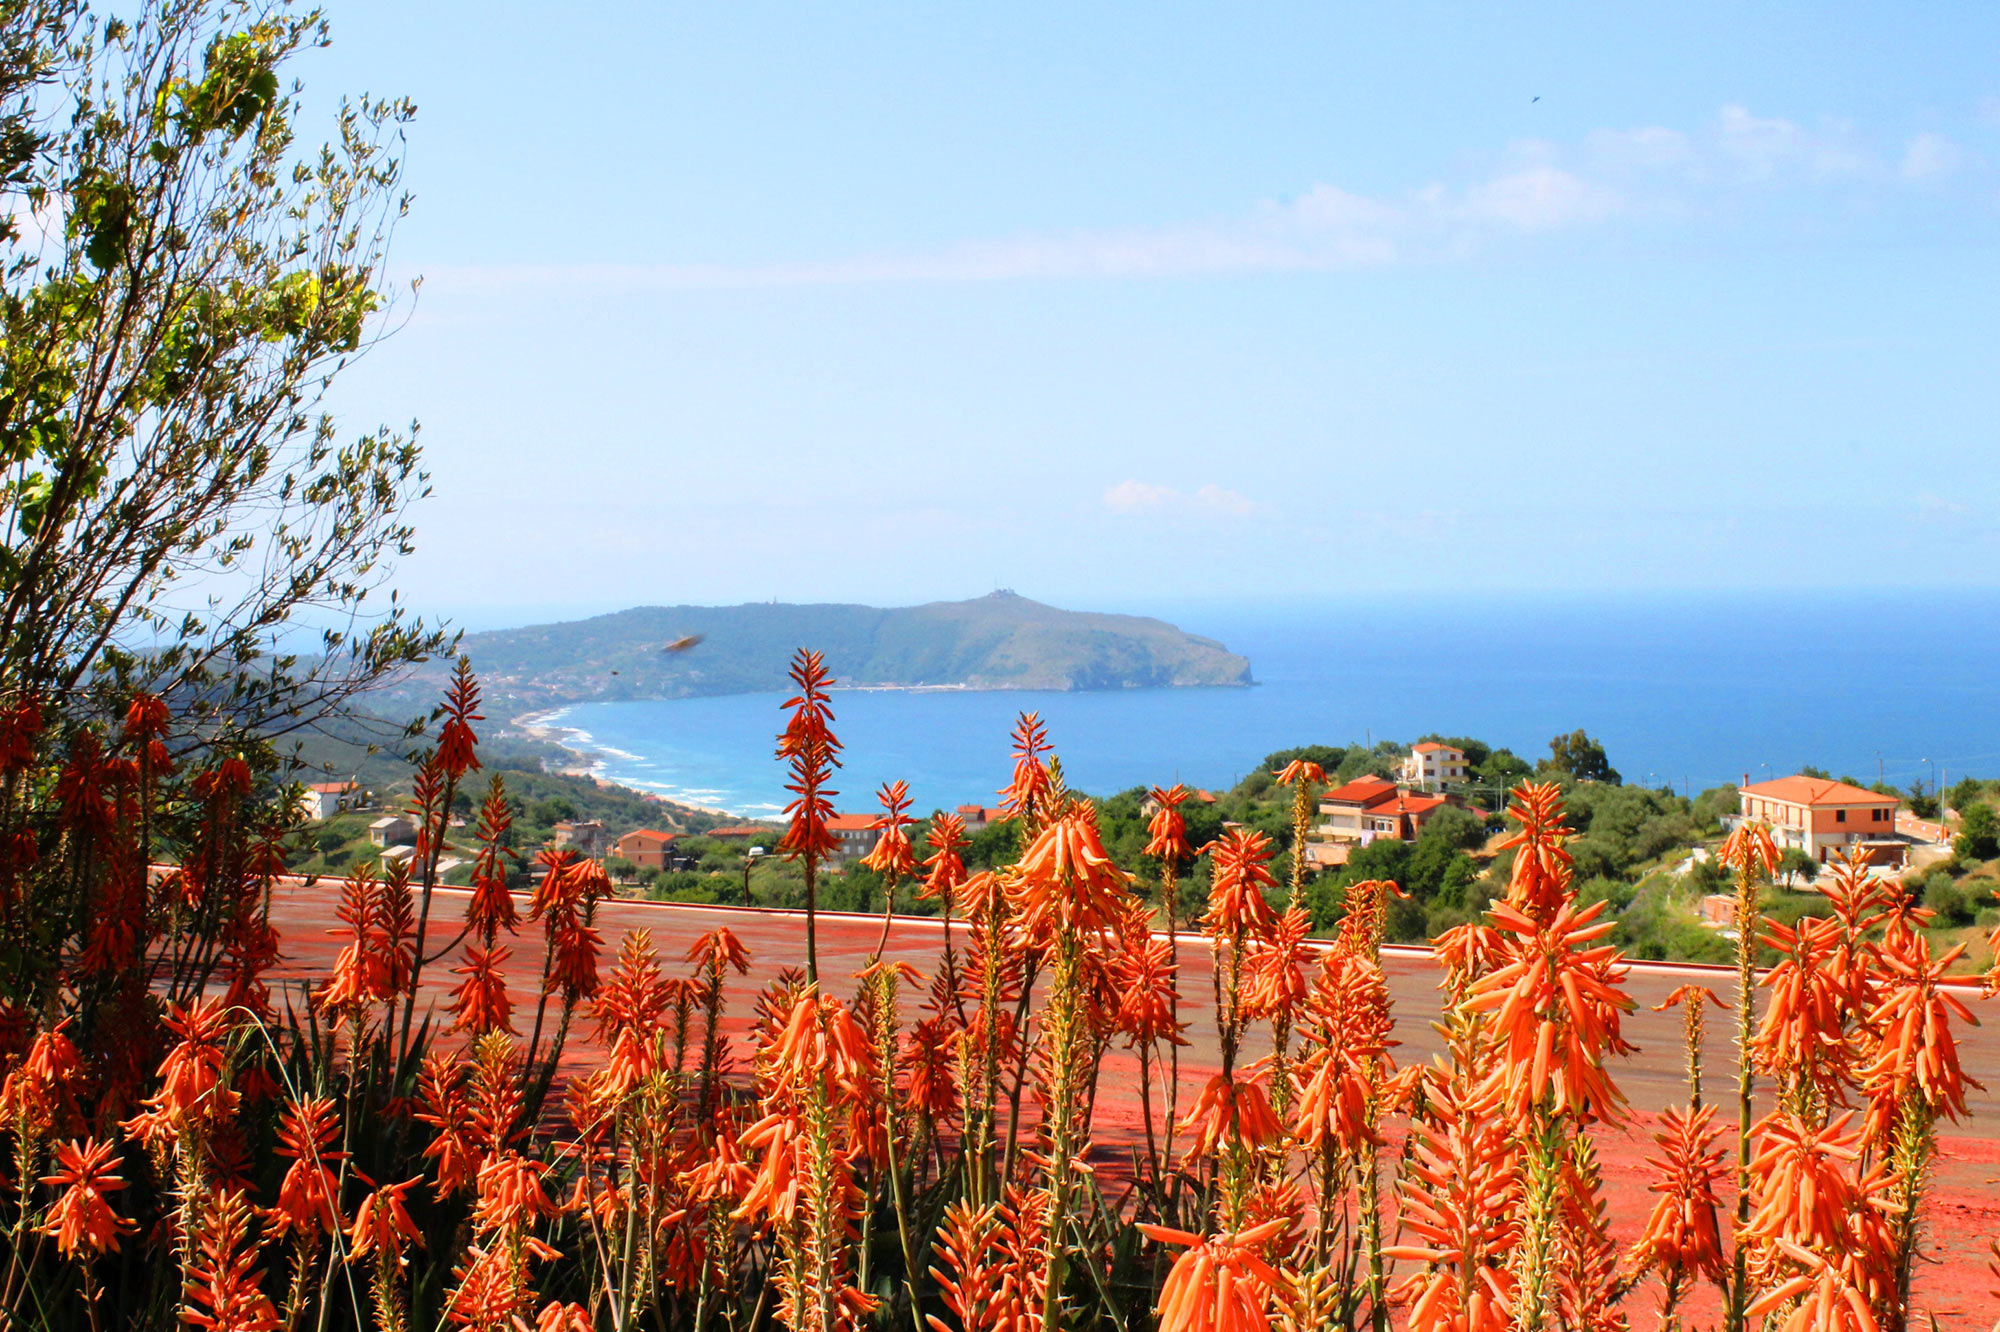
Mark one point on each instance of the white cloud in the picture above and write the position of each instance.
(1215, 499)
(1930, 155)
(1533, 188)
(1540, 198)
(1138, 496)
(1208, 501)
(1935, 509)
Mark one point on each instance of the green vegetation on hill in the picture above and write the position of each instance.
(994, 642)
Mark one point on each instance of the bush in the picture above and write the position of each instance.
(1978, 833)
(1407, 921)
(1951, 902)
(1711, 805)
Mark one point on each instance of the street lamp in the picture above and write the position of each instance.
(750, 857)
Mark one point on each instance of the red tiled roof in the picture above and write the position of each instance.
(1362, 791)
(650, 835)
(1432, 746)
(1413, 804)
(331, 788)
(1816, 791)
(851, 823)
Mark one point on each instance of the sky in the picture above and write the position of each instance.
(1127, 305)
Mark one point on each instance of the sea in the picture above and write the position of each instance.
(1688, 691)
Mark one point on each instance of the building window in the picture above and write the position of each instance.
(1840, 816)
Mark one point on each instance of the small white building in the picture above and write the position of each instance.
(1432, 767)
(392, 830)
(322, 800)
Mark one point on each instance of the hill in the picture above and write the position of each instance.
(1000, 641)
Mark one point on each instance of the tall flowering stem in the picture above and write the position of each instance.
(1691, 999)
(944, 871)
(1751, 853)
(436, 788)
(892, 856)
(1557, 1003)
(1065, 894)
(808, 746)
(983, 899)
(1302, 776)
(1238, 916)
(1167, 842)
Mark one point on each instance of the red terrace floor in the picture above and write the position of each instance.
(1963, 1211)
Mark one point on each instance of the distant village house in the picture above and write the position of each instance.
(586, 838)
(392, 830)
(322, 800)
(1371, 807)
(648, 848)
(1819, 816)
(1432, 767)
(978, 817)
(855, 834)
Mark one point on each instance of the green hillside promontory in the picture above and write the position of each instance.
(1000, 641)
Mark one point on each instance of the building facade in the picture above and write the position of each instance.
(1368, 808)
(322, 800)
(585, 837)
(1431, 766)
(1817, 816)
(648, 848)
(854, 834)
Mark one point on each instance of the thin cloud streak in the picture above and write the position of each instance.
(1537, 189)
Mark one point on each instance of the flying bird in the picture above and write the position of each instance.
(1533, 100)
(682, 644)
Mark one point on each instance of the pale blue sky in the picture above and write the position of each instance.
(1154, 303)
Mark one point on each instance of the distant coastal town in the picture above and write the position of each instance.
(1428, 815)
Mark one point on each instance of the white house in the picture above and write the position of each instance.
(1432, 767)
(322, 800)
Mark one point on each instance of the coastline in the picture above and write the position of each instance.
(544, 725)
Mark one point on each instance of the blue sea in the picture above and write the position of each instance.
(1688, 691)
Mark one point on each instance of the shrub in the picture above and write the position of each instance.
(1951, 902)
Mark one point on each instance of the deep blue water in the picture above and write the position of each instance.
(1681, 690)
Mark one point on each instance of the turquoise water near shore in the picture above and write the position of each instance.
(1683, 690)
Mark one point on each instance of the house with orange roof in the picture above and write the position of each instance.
(1371, 807)
(977, 817)
(855, 834)
(648, 848)
(1432, 766)
(1818, 815)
